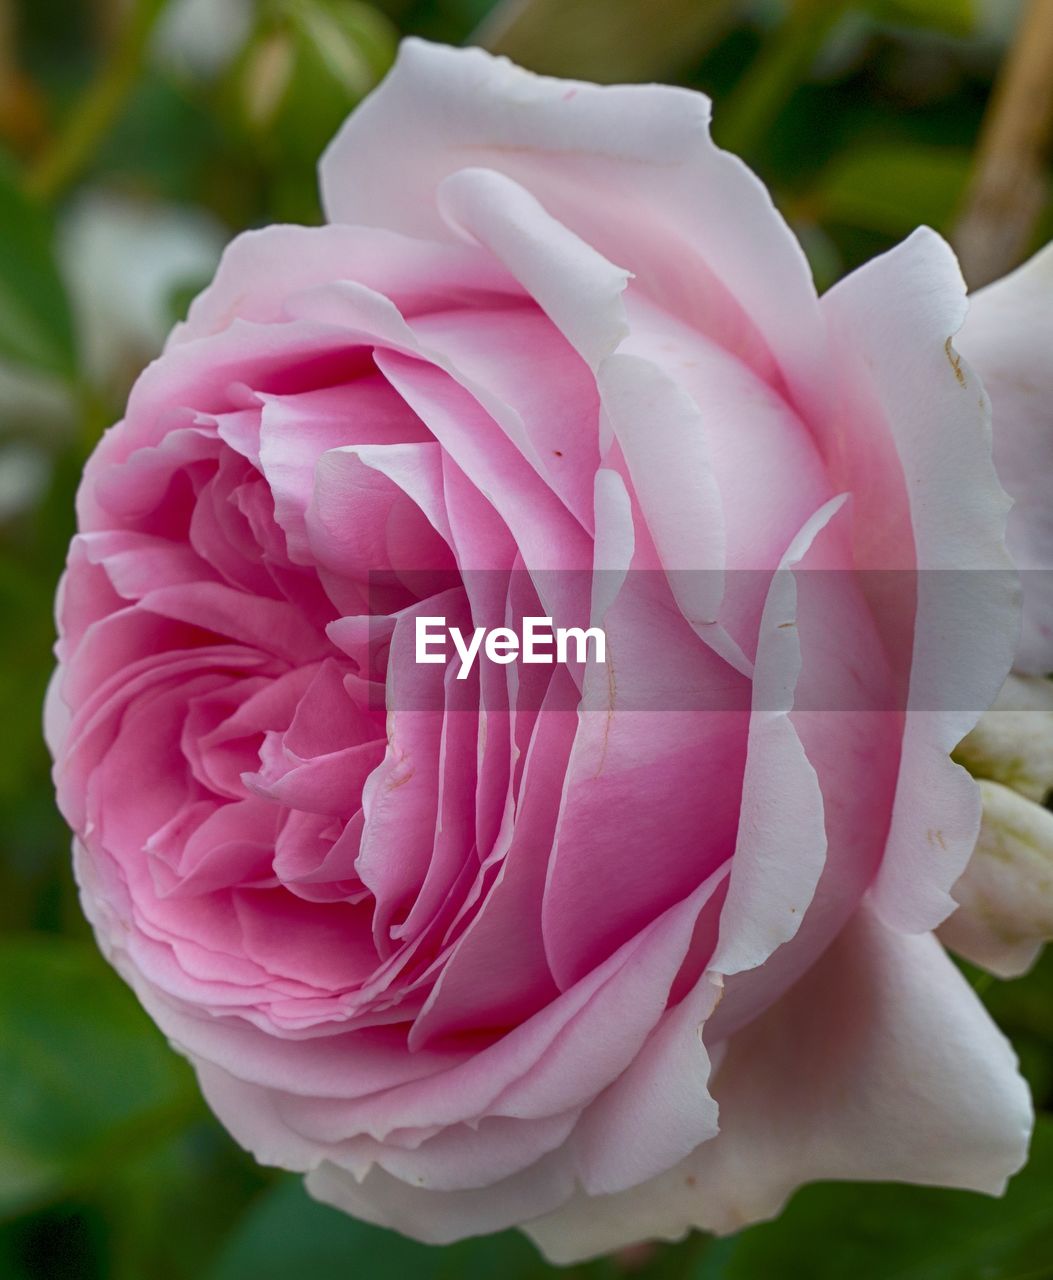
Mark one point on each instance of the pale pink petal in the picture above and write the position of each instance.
(519, 365)
(295, 432)
(892, 324)
(439, 1217)
(632, 170)
(662, 435)
(261, 270)
(575, 286)
(546, 533)
(781, 844)
(1008, 338)
(660, 1108)
(880, 1065)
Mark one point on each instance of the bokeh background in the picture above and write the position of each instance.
(135, 137)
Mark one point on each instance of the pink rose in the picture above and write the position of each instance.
(606, 949)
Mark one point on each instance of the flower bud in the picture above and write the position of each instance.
(308, 62)
(1006, 894)
(1013, 743)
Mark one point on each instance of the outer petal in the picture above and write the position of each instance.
(660, 1109)
(630, 169)
(442, 1217)
(1008, 336)
(891, 323)
(880, 1065)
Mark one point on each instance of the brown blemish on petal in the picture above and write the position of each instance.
(401, 782)
(956, 361)
(935, 837)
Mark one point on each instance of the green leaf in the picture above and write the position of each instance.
(891, 189)
(200, 1177)
(868, 1232)
(86, 1080)
(287, 1234)
(1023, 1009)
(956, 17)
(36, 327)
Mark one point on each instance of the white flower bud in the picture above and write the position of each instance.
(1013, 743)
(1006, 893)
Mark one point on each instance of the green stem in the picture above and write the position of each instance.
(92, 115)
(783, 62)
(1010, 187)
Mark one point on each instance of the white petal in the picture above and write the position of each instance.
(881, 1064)
(439, 1217)
(893, 321)
(631, 169)
(576, 287)
(781, 847)
(1008, 336)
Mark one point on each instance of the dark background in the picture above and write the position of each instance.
(134, 139)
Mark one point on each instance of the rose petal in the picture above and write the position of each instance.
(1008, 337)
(880, 1065)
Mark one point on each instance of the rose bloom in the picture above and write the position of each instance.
(604, 951)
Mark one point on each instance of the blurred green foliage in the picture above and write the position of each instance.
(36, 327)
(862, 116)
